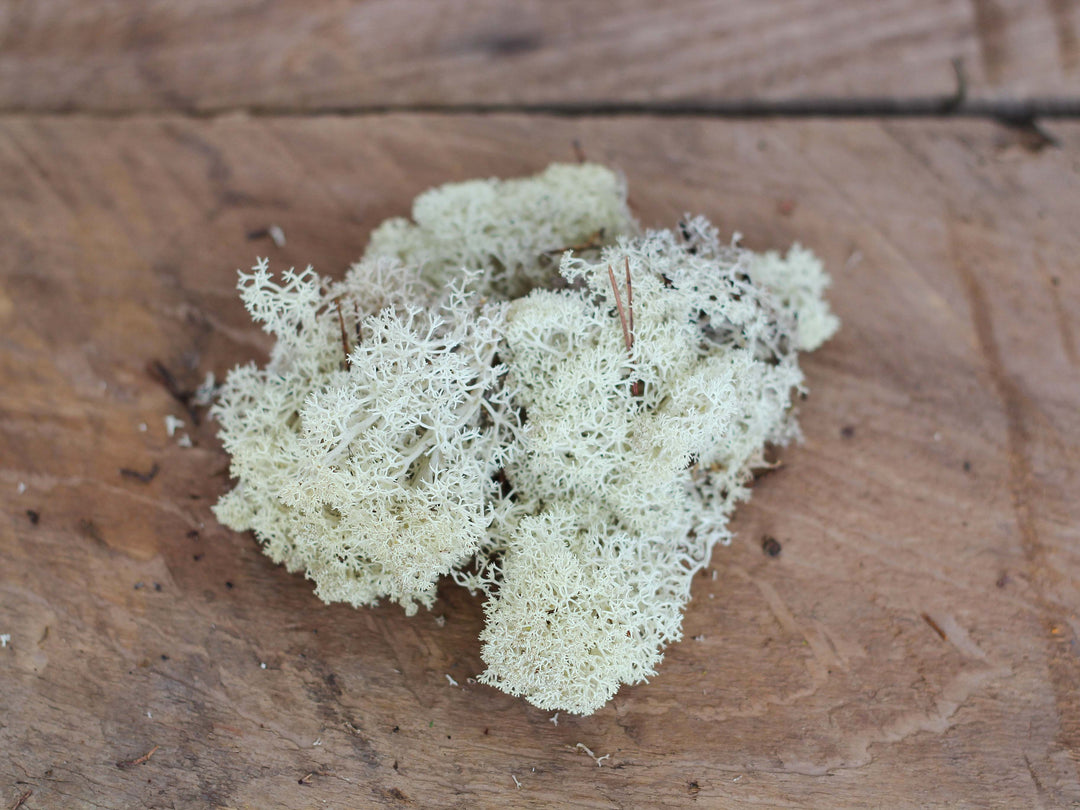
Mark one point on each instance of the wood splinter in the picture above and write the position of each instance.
(131, 763)
(626, 319)
(934, 626)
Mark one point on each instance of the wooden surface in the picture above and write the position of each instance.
(914, 644)
(303, 55)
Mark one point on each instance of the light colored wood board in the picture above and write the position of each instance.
(289, 55)
(915, 643)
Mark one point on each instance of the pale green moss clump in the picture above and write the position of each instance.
(524, 391)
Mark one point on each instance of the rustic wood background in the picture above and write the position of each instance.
(915, 644)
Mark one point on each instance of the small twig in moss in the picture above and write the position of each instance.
(591, 242)
(765, 469)
(628, 337)
(579, 150)
(344, 334)
(131, 763)
(626, 319)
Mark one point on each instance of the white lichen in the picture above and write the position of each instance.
(521, 390)
(172, 424)
(515, 230)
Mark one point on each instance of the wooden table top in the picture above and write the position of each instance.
(915, 643)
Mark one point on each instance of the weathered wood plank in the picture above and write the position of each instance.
(297, 55)
(915, 643)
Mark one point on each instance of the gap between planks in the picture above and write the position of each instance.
(952, 106)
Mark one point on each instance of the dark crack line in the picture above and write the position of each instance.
(1016, 111)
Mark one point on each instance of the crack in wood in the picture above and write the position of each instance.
(952, 105)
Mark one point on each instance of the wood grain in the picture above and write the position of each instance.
(304, 55)
(914, 644)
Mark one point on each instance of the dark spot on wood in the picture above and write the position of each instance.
(332, 685)
(1003, 580)
(395, 765)
(228, 585)
(157, 587)
(397, 729)
(1026, 133)
(511, 44)
(967, 466)
(34, 516)
(90, 529)
(693, 788)
(159, 372)
(771, 546)
(197, 557)
(848, 431)
(142, 477)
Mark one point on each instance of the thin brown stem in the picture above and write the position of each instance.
(626, 318)
(344, 334)
(592, 242)
(627, 336)
(579, 150)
